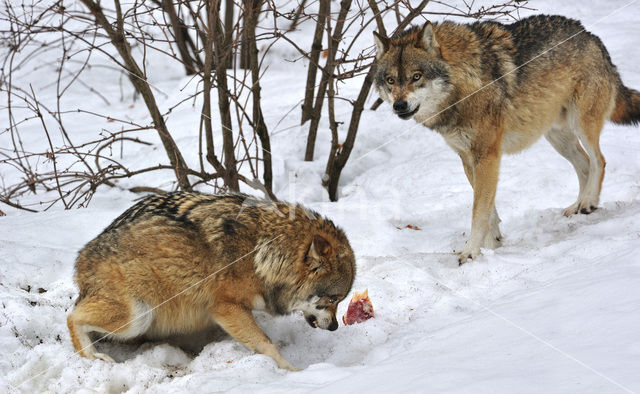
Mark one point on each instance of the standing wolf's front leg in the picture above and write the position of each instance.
(485, 182)
(238, 322)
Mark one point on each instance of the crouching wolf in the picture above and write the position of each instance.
(181, 262)
(490, 89)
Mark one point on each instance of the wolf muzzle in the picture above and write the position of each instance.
(401, 108)
(313, 322)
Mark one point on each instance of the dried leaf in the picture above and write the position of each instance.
(410, 226)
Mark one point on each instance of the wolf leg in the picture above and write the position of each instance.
(566, 142)
(493, 239)
(105, 316)
(594, 100)
(238, 322)
(589, 135)
(485, 181)
(82, 341)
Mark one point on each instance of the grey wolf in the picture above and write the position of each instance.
(181, 262)
(490, 88)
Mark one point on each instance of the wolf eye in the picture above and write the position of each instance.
(390, 80)
(417, 76)
(333, 300)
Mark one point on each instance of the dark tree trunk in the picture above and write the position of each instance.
(339, 156)
(296, 17)
(333, 43)
(192, 62)
(228, 28)
(314, 57)
(259, 125)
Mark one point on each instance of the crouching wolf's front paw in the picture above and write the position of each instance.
(285, 365)
(102, 356)
(468, 253)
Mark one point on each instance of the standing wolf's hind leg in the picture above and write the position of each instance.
(591, 121)
(493, 240)
(590, 139)
(593, 102)
(566, 142)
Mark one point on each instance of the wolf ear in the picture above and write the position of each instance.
(382, 45)
(428, 39)
(320, 247)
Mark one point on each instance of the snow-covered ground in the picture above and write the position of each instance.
(556, 309)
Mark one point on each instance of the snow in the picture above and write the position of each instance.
(556, 309)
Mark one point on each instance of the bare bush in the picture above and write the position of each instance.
(190, 33)
(216, 43)
(344, 63)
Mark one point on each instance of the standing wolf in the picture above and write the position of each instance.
(490, 88)
(181, 262)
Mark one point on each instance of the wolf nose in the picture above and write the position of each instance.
(400, 106)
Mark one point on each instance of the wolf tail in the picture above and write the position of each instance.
(627, 109)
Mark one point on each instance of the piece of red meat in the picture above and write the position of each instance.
(359, 310)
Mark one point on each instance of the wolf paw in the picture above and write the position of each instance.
(467, 254)
(103, 357)
(580, 207)
(288, 367)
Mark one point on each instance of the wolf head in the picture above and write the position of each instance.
(411, 74)
(330, 271)
(312, 273)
